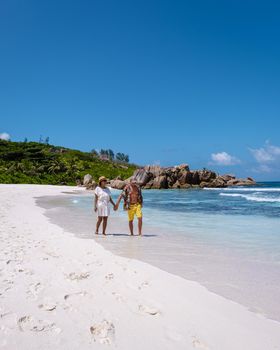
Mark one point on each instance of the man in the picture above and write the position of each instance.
(133, 202)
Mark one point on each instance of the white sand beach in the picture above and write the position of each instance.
(61, 292)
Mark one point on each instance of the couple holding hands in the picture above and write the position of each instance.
(133, 201)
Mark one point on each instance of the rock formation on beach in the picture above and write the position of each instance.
(182, 177)
(156, 177)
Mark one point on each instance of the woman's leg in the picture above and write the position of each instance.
(105, 220)
(99, 219)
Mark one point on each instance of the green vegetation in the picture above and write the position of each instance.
(41, 163)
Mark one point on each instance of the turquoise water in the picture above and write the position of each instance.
(226, 239)
(263, 200)
(247, 219)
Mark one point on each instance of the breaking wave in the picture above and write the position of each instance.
(245, 189)
(252, 197)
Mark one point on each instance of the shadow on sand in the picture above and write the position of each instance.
(127, 235)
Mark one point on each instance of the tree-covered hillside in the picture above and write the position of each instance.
(40, 163)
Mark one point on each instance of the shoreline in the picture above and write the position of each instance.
(222, 269)
(61, 292)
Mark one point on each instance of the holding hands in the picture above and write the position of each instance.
(116, 206)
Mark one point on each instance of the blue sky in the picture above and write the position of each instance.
(164, 81)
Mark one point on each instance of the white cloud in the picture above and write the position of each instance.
(267, 157)
(266, 154)
(223, 158)
(5, 136)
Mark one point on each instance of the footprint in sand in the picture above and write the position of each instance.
(48, 306)
(34, 289)
(74, 295)
(9, 285)
(13, 261)
(143, 285)
(103, 332)
(29, 323)
(198, 344)
(110, 276)
(96, 263)
(147, 310)
(52, 254)
(73, 301)
(73, 276)
(21, 269)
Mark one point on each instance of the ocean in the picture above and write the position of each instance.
(226, 239)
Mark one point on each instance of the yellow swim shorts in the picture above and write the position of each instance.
(135, 209)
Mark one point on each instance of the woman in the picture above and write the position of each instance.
(101, 204)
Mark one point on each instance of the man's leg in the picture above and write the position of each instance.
(99, 219)
(105, 220)
(130, 224)
(139, 217)
(131, 212)
(140, 223)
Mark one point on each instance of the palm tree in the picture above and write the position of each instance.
(11, 168)
(55, 167)
(72, 167)
(19, 166)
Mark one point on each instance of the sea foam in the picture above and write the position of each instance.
(253, 197)
(245, 189)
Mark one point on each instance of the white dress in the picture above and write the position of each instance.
(104, 195)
